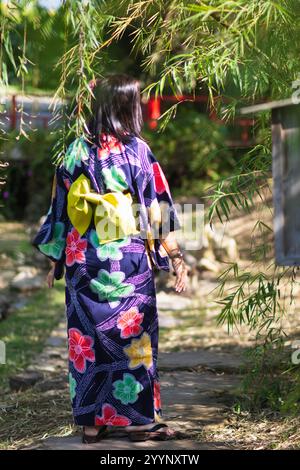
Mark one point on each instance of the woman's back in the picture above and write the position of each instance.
(117, 168)
(110, 291)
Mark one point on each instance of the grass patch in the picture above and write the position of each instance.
(14, 240)
(31, 416)
(183, 335)
(26, 329)
(257, 431)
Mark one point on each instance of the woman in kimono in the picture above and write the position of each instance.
(108, 255)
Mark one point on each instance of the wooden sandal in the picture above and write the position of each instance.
(102, 432)
(154, 434)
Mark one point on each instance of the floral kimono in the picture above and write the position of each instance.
(109, 292)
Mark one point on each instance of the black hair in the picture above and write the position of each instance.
(116, 108)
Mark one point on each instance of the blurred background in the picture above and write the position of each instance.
(227, 344)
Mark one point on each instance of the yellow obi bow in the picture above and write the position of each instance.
(113, 215)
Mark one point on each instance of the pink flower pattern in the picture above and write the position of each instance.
(109, 145)
(110, 417)
(80, 349)
(160, 181)
(129, 322)
(67, 183)
(157, 399)
(75, 249)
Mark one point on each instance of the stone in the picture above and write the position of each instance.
(168, 321)
(190, 400)
(187, 385)
(218, 361)
(27, 279)
(208, 253)
(174, 302)
(7, 407)
(224, 247)
(207, 264)
(29, 270)
(50, 368)
(74, 443)
(52, 384)
(56, 341)
(24, 380)
(6, 277)
(20, 258)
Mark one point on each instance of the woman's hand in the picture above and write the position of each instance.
(50, 277)
(171, 246)
(180, 270)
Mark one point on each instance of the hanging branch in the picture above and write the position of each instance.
(22, 71)
(59, 107)
(8, 23)
(80, 63)
(207, 43)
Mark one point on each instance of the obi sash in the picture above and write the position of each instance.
(112, 212)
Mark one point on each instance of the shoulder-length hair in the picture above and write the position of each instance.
(116, 108)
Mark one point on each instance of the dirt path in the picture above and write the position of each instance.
(195, 394)
(200, 372)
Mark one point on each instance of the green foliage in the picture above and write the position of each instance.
(28, 175)
(270, 379)
(26, 330)
(214, 44)
(75, 35)
(27, 327)
(254, 302)
(249, 177)
(291, 399)
(193, 151)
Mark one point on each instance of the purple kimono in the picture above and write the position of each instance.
(110, 292)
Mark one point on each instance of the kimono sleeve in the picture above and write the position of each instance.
(158, 214)
(50, 239)
(157, 198)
